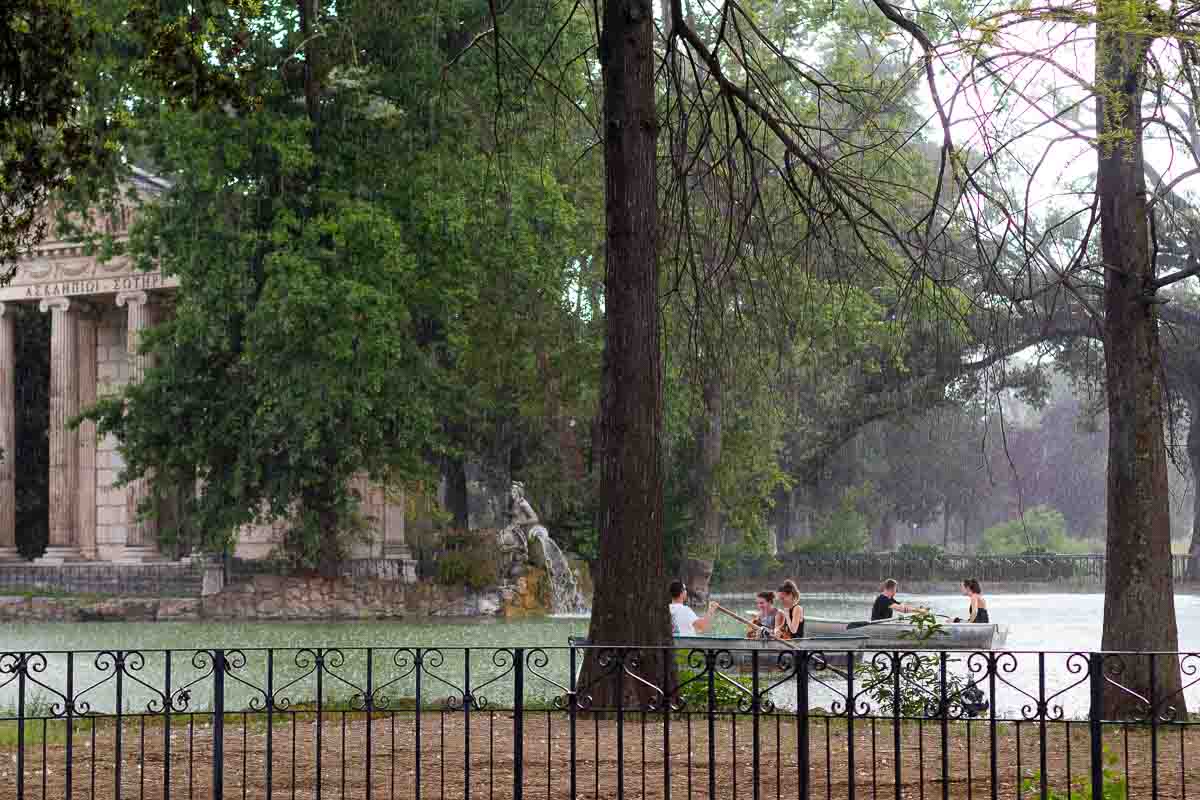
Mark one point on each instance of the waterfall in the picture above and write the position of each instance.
(564, 587)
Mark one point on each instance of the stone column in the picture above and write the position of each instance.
(141, 543)
(86, 516)
(8, 435)
(64, 442)
(394, 544)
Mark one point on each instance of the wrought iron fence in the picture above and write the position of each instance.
(871, 567)
(720, 722)
(172, 579)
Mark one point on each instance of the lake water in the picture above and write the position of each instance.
(1064, 623)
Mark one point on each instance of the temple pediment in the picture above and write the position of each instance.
(59, 267)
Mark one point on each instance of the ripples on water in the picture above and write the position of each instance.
(1054, 622)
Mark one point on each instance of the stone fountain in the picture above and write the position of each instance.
(525, 542)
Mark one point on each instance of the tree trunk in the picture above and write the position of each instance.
(630, 601)
(1139, 597)
(703, 554)
(1193, 448)
(885, 534)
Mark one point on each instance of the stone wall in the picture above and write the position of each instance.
(71, 609)
(268, 597)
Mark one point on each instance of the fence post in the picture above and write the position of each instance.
(1096, 722)
(218, 729)
(519, 723)
(755, 711)
(22, 667)
(852, 772)
(802, 722)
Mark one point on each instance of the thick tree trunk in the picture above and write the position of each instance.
(703, 553)
(1193, 448)
(1139, 597)
(630, 601)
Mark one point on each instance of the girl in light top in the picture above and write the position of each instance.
(764, 620)
(789, 623)
(684, 621)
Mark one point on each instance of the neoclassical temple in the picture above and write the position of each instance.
(98, 311)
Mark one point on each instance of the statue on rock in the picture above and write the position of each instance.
(525, 542)
(514, 538)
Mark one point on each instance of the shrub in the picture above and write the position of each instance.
(475, 568)
(725, 694)
(922, 550)
(1042, 531)
(842, 532)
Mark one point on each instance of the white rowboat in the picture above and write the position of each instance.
(900, 633)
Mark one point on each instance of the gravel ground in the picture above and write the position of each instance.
(446, 771)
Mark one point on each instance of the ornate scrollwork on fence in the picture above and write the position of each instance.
(506, 661)
(1165, 709)
(434, 659)
(105, 662)
(1158, 709)
(235, 661)
(305, 660)
(405, 660)
(536, 662)
(1113, 670)
(30, 666)
(329, 662)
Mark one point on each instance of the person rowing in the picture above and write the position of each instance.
(684, 621)
(762, 624)
(887, 604)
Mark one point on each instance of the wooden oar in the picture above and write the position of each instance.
(752, 623)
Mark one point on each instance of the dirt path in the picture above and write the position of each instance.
(447, 772)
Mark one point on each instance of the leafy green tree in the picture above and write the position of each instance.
(67, 69)
(341, 268)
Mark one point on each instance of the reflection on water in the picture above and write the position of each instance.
(1069, 623)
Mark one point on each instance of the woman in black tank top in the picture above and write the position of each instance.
(978, 609)
(789, 622)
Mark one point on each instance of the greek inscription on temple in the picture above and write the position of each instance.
(124, 283)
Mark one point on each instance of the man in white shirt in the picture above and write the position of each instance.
(684, 621)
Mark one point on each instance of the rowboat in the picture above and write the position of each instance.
(899, 633)
(833, 651)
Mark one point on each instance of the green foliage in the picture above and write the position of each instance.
(71, 72)
(920, 550)
(360, 293)
(726, 694)
(1114, 787)
(1042, 530)
(474, 568)
(41, 137)
(842, 531)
